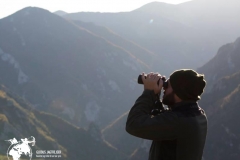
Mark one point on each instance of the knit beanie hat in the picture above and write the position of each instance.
(187, 84)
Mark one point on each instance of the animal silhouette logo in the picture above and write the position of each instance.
(19, 148)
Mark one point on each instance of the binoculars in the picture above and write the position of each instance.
(165, 83)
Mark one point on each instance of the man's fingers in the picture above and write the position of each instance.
(143, 77)
(150, 81)
(157, 76)
(149, 75)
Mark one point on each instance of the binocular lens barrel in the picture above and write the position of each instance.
(165, 83)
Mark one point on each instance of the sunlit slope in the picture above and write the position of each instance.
(67, 70)
(18, 119)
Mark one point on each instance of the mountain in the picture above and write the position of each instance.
(225, 63)
(183, 36)
(67, 70)
(213, 17)
(161, 9)
(60, 13)
(18, 119)
(138, 51)
(221, 103)
(169, 39)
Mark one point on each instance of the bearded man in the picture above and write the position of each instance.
(178, 133)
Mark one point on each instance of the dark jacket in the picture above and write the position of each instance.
(178, 134)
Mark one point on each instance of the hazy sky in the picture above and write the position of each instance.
(8, 7)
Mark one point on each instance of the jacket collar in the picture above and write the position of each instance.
(183, 105)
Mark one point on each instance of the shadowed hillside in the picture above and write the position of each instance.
(18, 119)
(225, 63)
(221, 103)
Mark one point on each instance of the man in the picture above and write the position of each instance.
(180, 132)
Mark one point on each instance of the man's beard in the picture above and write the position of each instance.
(169, 99)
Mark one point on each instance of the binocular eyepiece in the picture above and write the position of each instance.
(165, 83)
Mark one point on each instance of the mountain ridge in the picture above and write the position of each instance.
(55, 58)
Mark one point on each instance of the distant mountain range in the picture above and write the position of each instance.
(190, 32)
(168, 39)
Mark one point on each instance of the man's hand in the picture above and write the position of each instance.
(150, 82)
